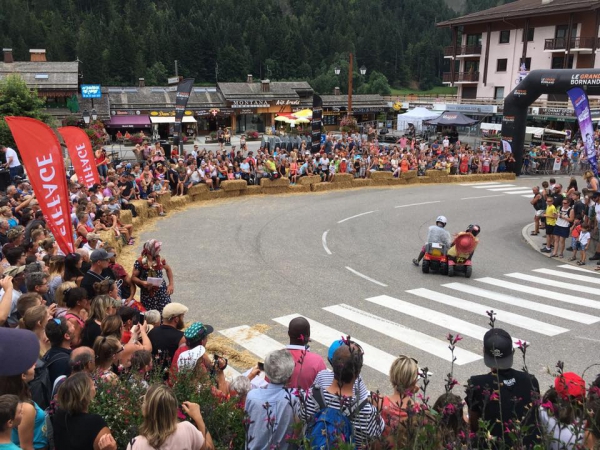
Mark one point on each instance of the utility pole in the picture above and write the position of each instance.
(350, 85)
(176, 68)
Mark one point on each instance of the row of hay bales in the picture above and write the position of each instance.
(313, 183)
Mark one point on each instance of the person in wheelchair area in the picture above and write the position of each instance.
(436, 234)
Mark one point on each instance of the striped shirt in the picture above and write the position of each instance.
(367, 424)
(325, 379)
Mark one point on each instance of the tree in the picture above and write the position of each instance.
(16, 99)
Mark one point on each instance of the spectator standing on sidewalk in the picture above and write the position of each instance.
(550, 216)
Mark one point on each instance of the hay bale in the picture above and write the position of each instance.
(298, 188)
(321, 187)
(269, 184)
(380, 175)
(408, 175)
(229, 194)
(361, 182)
(380, 182)
(234, 185)
(420, 180)
(152, 212)
(197, 189)
(179, 201)
(341, 185)
(164, 199)
(308, 180)
(276, 190)
(397, 182)
(141, 207)
(414, 180)
(433, 173)
(252, 190)
(343, 178)
(137, 223)
(442, 179)
(126, 217)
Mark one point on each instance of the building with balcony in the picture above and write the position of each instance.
(493, 49)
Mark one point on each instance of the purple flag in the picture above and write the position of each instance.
(582, 111)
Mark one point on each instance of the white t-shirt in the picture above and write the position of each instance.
(10, 153)
(584, 238)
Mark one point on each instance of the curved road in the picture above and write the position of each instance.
(343, 260)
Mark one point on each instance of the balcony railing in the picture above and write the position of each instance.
(463, 50)
(561, 43)
(461, 77)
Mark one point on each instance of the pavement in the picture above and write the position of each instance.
(343, 260)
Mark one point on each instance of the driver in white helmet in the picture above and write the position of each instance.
(436, 234)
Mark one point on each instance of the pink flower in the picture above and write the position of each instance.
(494, 396)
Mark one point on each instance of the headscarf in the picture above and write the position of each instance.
(151, 254)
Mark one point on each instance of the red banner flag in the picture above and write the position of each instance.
(81, 154)
(42, 157)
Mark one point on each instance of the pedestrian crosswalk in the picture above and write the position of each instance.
(417, 320)
(504, 188)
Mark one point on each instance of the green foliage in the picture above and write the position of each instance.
(17, 100)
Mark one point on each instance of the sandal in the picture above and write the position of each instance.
(533, 233)
(580, 263)
(572, 259)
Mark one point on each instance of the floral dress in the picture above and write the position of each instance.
(152, 298)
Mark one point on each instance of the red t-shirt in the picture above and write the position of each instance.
(308, 365)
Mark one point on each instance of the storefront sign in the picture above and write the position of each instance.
(560, 112)
(169, 113)
(287, 102)
(91, 91)
(236, 104)
(247, 111)
(117, 112)
(464, 108)
(373, 109)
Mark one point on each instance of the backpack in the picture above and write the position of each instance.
(41, 387)
(330, 424)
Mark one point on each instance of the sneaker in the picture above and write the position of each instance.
(416, 262)
(545, 250)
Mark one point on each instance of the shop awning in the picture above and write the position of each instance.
(142, 121)
(171, 119)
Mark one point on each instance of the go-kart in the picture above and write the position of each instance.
(435, 258)
(460, 254)
(460, 264)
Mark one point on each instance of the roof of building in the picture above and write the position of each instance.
(358, 100)
(277, 90)
(44, 75)
(151, 96)
(523, 9)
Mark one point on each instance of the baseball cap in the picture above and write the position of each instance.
(100, 255)
(332, 348)
(498, 349)
(13, 271)
(197, 331)
(18, 352)
(569, 384)
(173, 310)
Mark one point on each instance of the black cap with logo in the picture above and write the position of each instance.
(498, 349)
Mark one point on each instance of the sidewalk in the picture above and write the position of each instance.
(536, 242)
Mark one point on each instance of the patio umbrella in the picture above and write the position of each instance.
(302, 120)
(307, 113)
(283, 119)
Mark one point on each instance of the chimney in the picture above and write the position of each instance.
(336, 90)
(37, 55)
(141, 82)
(249, 80)
(8, 56)
(265, 86)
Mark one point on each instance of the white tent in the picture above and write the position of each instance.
(416, 117)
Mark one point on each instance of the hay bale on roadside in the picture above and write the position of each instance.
(361, 182)
(341, 185)
(270, 184)
(230, 194)
(408, 175)
(434, 173)
(308, 180)
(397, 182)
(141, 208)
(298, 188)
(197, 189)
(179, 201)
(126, 217)
(164, 199)
(420, 180)
(234, 185)
(343, 178)
(321, 187)
(380, 175)
(252, 190)
(276, 190)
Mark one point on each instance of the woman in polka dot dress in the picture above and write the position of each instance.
(150, 264)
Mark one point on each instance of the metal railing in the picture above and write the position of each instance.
(462, 50)
(461, 77)
(575, 43)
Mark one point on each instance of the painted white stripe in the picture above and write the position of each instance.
(528, 195)
(253, 341)
(571, 276)
(358, 215)
(554, 283)
(479, 184)
(432, 316)
(524, 191)
(507, 189)
(497, 185)
(484, 196)
(373, 357)
(366, 277)
(324, 241)
(526, 304)
(579, 269)
(417, 204)
(502, 316)
(550, 295)
(411, 337)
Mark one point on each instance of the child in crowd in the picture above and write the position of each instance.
(575, 231)
(583, 242)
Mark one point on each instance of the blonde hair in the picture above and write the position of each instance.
(111, 326)
(105, 348)
(59, 295)
(75, 393)
(160, 415)
(403, 374)
(99, 306)
(56, 266)
(588, 174)
(32, 316)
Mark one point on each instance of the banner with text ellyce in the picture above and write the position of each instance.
(42, 157)
(184, 89)
(317, 123)
(81, 155)
(581, 104)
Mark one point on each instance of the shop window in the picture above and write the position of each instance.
(505, 37)
(499, 92)
(501, 65)
(530, 34)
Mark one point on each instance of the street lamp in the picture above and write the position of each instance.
(363, 71)
(95, 114)
(86, 116)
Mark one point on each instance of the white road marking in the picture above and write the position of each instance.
(451, 323)
(479, 184)
(548, 295)
(411, 337)
(373, 357)
(252, 340)
(528, 195)
(358, 215)
(526, 304)
(484, 196)
(554, 283)
(366, 277)
(497, 185)
(417, 204)
(579, 269)
(502, 316)
(572, 276)
(324, 241)
(523, 191)
(518, 188)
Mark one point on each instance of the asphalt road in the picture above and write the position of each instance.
(343, 260)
